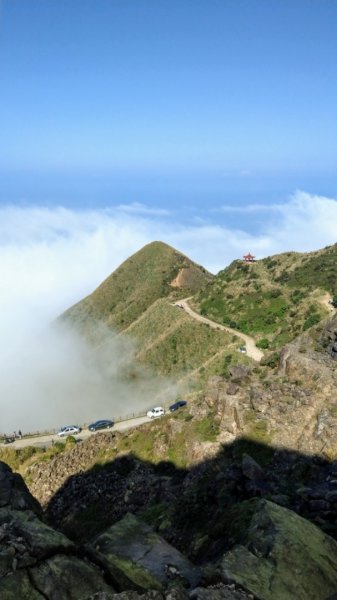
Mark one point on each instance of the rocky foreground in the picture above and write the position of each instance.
(268, 552)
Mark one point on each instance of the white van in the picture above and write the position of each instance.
(158, 411)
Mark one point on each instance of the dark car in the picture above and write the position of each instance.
(102, 424)
(177, 405)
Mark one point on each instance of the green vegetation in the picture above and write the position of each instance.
(273, 300)
(20, 459)
(148, 275)
(258, 430)
(269, 299)
(263, 344)
(311, 320)
(140, 442)
(183, 347)
(316, 270)
(208, 429)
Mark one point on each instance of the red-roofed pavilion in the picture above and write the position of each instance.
(249, 257)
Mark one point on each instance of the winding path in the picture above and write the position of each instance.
(252, 351)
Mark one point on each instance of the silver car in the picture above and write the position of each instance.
(69, 430)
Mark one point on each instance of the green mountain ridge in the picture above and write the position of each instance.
(273, 299)
(156, 271)
(137, 301)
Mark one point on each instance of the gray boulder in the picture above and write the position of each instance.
(282, 556)
(139, 559)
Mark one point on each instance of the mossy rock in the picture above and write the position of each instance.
(41, 539)
(282, 556)
(18, 587)
(67, 577)
(139, 559)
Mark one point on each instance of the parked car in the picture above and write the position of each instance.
(243, 349)
(176, 405)
(102, 424)
(158, 411)
(69, 430)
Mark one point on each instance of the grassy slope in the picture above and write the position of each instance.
(135, 285)
(275, 298)
(176, 344)
(137, 300)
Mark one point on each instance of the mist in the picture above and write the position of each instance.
(55, 377)
(51, 258)
(50, 375)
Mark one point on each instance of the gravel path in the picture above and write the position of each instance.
(252, 351)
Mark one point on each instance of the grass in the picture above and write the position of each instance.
(140, 442)
(172, 343)
(183, 346)
(257, 430)
(20, 459)
(274, 299)
(141, 280)
(208, 429)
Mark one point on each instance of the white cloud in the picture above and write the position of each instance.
(307, 222)
(250, 208)
(141, 209)
(53, 257)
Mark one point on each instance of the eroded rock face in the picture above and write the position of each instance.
(329, 338)
(14, 492)
(293, 407)
(282, 556)
(37, 562)
(226, 398)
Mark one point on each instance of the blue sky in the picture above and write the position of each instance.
(182, 104)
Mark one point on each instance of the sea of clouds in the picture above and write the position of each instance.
(52, 257)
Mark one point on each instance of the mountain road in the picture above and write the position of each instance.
(252, 351)
(49, 439)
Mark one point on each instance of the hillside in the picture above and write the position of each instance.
(137, 300)
(172, 343)
(273, 299)
(156, 271)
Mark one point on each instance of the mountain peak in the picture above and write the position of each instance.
(155, 271)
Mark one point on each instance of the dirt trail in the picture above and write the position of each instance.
(252, 351)
(326, 301)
